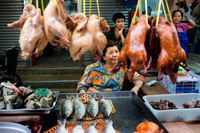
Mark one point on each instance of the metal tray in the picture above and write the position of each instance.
(131, 111)
(25, 111)
(9, 127)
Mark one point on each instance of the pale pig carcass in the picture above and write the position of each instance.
(54, 24)
(88, 35)
(32, 38)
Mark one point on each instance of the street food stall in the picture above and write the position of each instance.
(130, 111)
(152, 41)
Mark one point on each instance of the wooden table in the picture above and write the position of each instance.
(172, 127)
(153, 90)
(183, 127)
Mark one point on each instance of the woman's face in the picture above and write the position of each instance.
(177, 18)
(111, 55)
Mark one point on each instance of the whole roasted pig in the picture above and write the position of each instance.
(32, 38)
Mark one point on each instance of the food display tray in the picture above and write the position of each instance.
(179, 114)
(24, 111)
(9, 127)
(130, 111)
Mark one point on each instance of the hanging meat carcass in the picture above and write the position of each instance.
(165, 49)
(54, 24)
(32, 38)
(73, 20)
(88, 35)
(153, 42)
(134, 48)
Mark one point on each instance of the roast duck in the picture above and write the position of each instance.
(134, 48)
(148, 127)
(32, 38)
(87, 35)
(165, 50)
(54, 24)
(150, 46)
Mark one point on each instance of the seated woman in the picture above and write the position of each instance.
(99, 77)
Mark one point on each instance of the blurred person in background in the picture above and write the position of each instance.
(195, 12)
(182, 28)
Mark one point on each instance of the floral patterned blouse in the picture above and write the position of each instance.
(96, 79)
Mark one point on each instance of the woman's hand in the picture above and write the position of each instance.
(138, 85)
(192, 24)
(82, 91)
(118, 32)
(185, 16)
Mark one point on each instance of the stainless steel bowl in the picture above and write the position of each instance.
(9, 127)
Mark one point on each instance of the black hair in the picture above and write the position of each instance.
(105, 50)
(177, 11)
(117, 16)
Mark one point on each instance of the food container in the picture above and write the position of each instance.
(31, 116)
(179, 114)
(9, 127)
(24, 111)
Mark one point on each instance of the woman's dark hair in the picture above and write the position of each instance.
(117, 16)
(177, 11)
(105, 50)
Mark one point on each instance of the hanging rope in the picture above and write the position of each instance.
(30, 1)
(141, 7)
(170, 17)
(36, 4)
(133, 19)
(155, 9)
(79, 9)
(84, 7)
(90, 8)
(158, 13)
(42, 7)
(56, 3)
(163, 6)
(98, 9)
(146, 12)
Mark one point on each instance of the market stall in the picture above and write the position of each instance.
(150, 43)
(130, 111)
